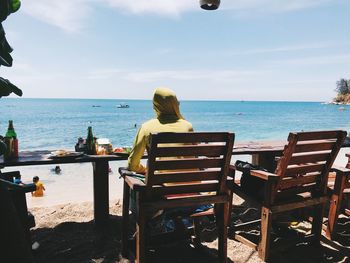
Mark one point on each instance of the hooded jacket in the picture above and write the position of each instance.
(169, 119)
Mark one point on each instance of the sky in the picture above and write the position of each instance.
(269, 50)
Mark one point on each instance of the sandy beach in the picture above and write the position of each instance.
(65, 228)
(66, 233)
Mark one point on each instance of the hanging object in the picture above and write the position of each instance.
(6, 88)
(209, 4)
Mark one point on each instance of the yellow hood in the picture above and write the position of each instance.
(166, 104)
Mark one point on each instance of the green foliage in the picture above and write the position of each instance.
(343, 87)
(7, 7)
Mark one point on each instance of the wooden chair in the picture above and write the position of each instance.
(338, 190)
(18, 195)
(15, 221)
(300, 180)
(183, 170)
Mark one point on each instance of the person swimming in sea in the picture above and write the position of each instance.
(56, 170)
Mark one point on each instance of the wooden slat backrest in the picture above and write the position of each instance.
(188, 163)
(306, 162)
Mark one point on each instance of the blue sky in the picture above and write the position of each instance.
(289, 50)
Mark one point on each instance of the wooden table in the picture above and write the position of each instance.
(263, 152)
(100, 175)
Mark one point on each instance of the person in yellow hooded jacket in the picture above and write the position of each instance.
(168, 119)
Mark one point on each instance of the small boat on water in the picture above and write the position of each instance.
(123, 106)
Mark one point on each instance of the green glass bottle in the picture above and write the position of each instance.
(12, 134)
(90, 142)
(11, 131)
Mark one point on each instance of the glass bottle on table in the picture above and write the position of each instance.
(13, 151)
(90, 142)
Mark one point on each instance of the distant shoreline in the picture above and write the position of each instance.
(337, 103)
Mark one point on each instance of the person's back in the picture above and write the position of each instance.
(168, 119)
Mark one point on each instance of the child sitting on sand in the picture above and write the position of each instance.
(39, 187)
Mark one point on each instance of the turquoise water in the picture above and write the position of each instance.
(57, 123)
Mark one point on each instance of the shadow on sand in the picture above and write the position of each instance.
(81, 242)
(283, 250)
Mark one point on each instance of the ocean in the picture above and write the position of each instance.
(57, 123)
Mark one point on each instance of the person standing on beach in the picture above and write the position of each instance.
(39, 192)
(168, 119)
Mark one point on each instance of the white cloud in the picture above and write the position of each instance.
(161, 7)
(272, 5)
(176, 7)
(316, 60)
(65, 14)
(177, 75)
(103, 73)
(281, 49)
(70, 15)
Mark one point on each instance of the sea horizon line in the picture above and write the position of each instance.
(194, 100)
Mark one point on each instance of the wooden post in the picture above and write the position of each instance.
(140, 235)
(316, 229)
(125, 223)
(101, 192)
(265, 160)
(335, 205)
(266, 223)
(221, 214)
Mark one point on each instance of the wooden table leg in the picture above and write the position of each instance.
(125, 224)
(101, 192)
(265, 160)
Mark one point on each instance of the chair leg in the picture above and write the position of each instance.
(334, 211)
(140, 237)
(317, 222)
(221, 212)
(197, 231)
(125, 221)
(335, 206)
(265, 235)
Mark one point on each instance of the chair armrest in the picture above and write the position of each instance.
(341, 170)
(125, 172)
(134, 180)
(18, 187)
(135, 183)
(264, 175)
(8, 176)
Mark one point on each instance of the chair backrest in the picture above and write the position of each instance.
(183, 164)
(306, 162)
